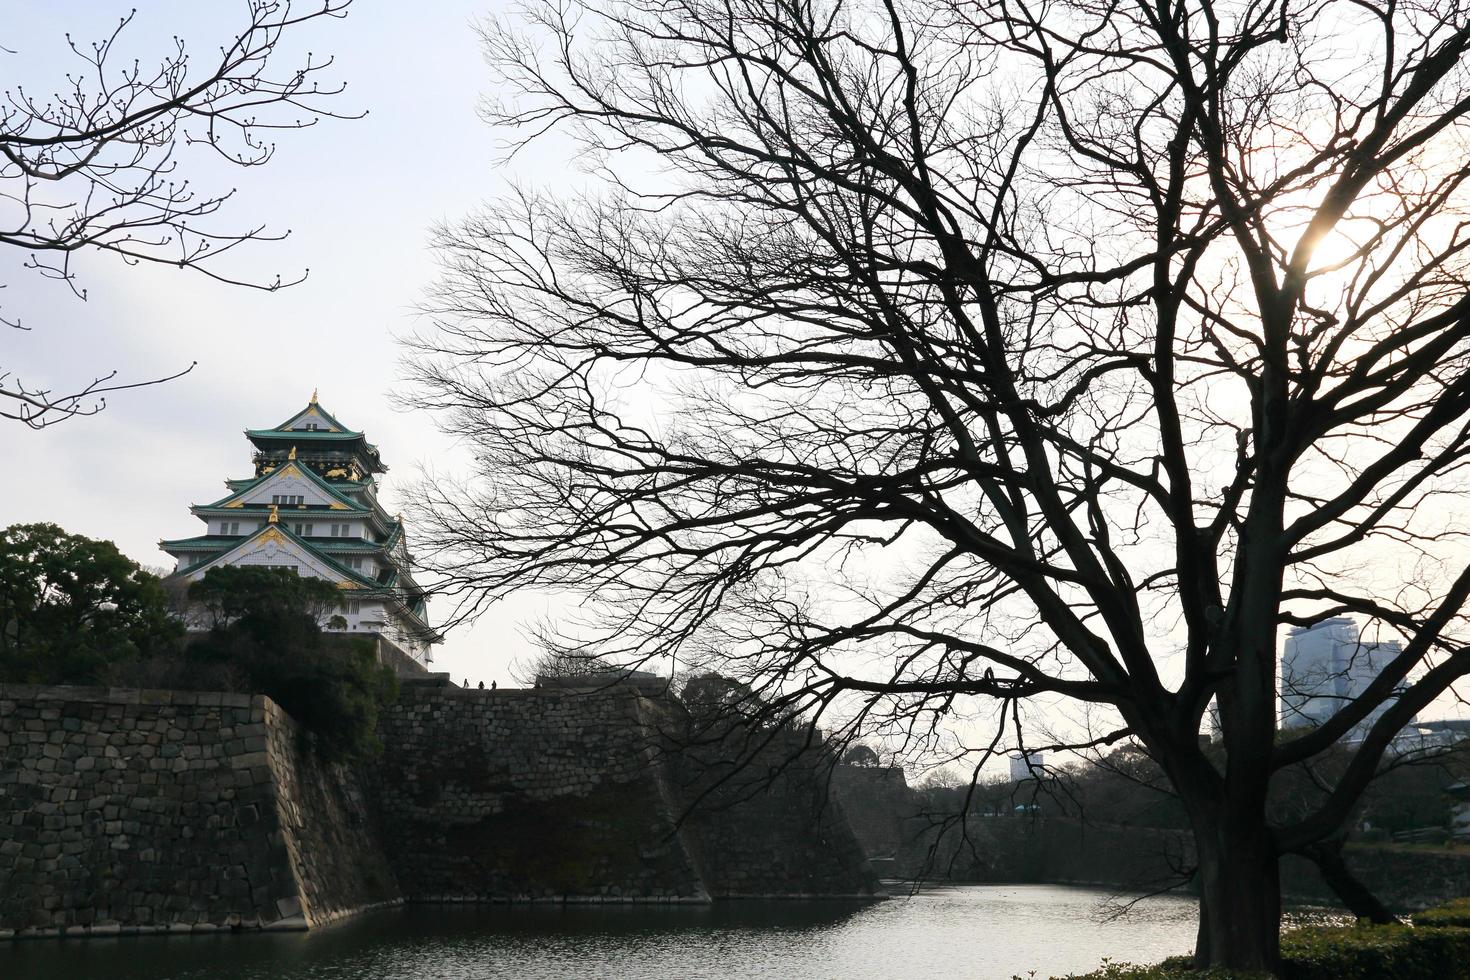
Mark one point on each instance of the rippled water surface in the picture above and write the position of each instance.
(986, 932)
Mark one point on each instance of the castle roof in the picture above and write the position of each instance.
(395, 585)
(310, 469)
(313, 427)
(292, 468)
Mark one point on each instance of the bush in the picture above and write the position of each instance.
(266, 632)
(1361, 952)
(1168, 970)
(1376, 953)
(332, 690)
(1456, 913)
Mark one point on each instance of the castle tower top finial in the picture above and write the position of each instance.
(313, 396)
(275, 517)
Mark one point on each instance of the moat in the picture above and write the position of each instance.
(981, 932)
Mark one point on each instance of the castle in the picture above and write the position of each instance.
(312, 507)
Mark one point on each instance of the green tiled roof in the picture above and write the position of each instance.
(227, 544)
(314, 405)
(309, 435)
(312, 475)
(205, 542)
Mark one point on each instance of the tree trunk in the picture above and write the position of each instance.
(1359, 899)
(1240, 896)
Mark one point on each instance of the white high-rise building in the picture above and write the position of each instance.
(1026, 765)
(1326, 666)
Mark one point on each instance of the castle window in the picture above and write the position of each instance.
(305, 530)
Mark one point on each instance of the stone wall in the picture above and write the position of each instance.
(128, 811)
(329, 829)
(1404, 878)
(574, 795)
(880, 806)
(527, 795)
(125, 811)
(771, 828)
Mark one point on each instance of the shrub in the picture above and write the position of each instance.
(1375, 953)
(1169, 970)
(333, 690)
(1362, 952)
(266, 631)
(1456, 913)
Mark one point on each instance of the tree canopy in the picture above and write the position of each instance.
(924, 357)
(71, 607)
(267, 629)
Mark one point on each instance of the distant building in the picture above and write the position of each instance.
(1023, 764)
(312, 507)
(1324, 667)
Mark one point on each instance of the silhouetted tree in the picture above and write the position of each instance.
(917, 353)
(93, 164)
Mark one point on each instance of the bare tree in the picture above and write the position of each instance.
(915, 356)
(94, 165)
(563, 664)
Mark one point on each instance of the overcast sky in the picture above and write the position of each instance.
(358, 197)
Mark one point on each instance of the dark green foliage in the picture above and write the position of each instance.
(1456, 913)
(256, 596)
(266, 629)
(1375, 953)
(1164, 972)
(72, 608)
(1338, 953)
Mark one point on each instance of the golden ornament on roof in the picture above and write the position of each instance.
(275, 517)
(313, 396)
(292, 453)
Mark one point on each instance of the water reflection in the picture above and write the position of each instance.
(984, 932)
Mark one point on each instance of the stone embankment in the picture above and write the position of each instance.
(562, 795)
(526, 795)
(125, 811)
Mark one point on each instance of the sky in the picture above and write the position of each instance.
(358, 197)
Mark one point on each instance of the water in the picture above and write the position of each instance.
(983, 932)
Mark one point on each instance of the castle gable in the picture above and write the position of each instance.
(274, 547)
(284, 485)
(312, 418)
